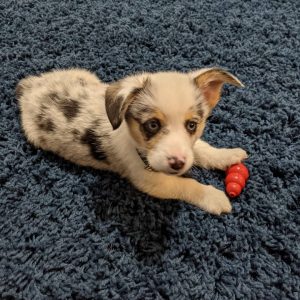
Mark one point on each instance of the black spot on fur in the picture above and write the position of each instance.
(129, 115)
(75, 132)
(43, 121)
(113, 109)
(49, 126)
(91, 139)
(70, 108)
(96, 123)
(44, 109)
(147, 137)
(42, 140)
(54, 96)
(45, 124)
(82, 82)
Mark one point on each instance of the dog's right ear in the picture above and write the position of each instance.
(120, 95)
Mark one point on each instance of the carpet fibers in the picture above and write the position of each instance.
(68, 232)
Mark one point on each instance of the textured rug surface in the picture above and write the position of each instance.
(68, 232)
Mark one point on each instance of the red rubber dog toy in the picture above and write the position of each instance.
(235, 181)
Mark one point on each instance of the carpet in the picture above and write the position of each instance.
(68, 232)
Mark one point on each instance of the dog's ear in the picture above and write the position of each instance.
(211, 81)
(120, 95)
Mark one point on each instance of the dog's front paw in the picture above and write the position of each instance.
(215, 201)
(228, 157)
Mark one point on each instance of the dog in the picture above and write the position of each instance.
(145, 127)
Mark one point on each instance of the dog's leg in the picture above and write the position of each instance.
(164, 186)
(209, 157)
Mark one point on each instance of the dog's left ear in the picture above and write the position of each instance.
(120, 95)
(211, 81)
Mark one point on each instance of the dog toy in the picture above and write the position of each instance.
(236, 178)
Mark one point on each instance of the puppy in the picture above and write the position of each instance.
(145, 127)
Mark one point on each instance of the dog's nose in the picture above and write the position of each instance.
(176, 163)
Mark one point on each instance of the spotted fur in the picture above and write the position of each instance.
(70, 108)
(93, 140)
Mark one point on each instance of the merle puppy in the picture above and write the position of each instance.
(145, 127)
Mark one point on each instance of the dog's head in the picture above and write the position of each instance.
(166, 112)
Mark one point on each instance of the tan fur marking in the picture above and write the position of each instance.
(211, 83)
(192, 115)
(135, 129)
(160, 116)
(200, 128)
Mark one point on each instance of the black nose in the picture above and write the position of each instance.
(175, 163)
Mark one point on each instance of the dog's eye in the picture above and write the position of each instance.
(191, 126)
(152, 126)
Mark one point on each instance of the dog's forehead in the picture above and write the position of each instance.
(173, 92)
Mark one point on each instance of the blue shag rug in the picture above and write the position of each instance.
(68, 232)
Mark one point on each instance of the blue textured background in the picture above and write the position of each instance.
(67, 231)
